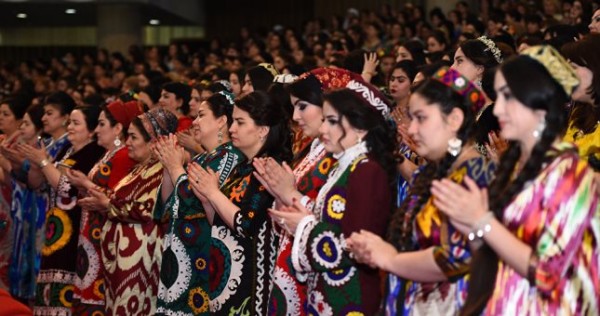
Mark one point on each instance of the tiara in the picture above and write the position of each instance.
(491, 47)
(228, 95)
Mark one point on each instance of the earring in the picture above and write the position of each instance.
(537, 133)
(358, 140)
(220, 137)
(117, 142)
(454, 146)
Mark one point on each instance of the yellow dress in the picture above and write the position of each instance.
(587, 144)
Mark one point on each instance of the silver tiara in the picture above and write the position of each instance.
(491, 46)
(228, 95)
(369, 96)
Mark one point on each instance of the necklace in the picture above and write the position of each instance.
(317, 151)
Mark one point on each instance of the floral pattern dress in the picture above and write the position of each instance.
(558, 216)
(242, 258)
(288, 296)
(184, 273)
(355, 196)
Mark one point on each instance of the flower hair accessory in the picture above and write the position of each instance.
(228, 95)
(491, 47)
(371, 95)
(454, 80)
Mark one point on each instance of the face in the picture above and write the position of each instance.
(517, 122)
(53, 120)
(595, 24)
(8, 121)
(430, 128)
(433, 45)
(399, 85)
(466, 67)
(206, 126)
(582, 93)
(245, 134)
(169, 100)
(333, 128)
(195, 101)
(387, 63)
(105, 133)
(78, 133)
(236, 86)
(27, 129)
(403, 54)
(139, 149)
(308, 116)
(248, 87)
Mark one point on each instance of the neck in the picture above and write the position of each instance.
(110, 147)
(402, 103)
(250, 153)
(58, 133)
(210, 145)
(77, 147)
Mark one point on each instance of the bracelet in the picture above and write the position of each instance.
(481, 227)
(44, 163)
(370, 73)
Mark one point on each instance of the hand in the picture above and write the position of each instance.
(79, 179)
(496, 146)
(260, 166)
(278, 178)
(370, 249)
(406, 139)
(35, 155)
(186, 139)
(371, 63)
(13, 155)
(204, 182)
(465, 207)
(166, 150)
(95, 201)
(288, 217)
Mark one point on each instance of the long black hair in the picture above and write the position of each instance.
(532, 85)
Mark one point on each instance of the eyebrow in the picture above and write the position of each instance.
(504, 88)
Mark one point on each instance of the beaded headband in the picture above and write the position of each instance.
(455, 81)
(371, 95)
(491, 47)
(557, 66)
(228, 95)
(226, 84)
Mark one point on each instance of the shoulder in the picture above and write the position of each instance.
(480, 169)
(365, 167)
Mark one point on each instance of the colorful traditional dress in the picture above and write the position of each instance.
(242, 257)
(452, 254)
(28, 215)
(356, 196)
(587, 144)
(54, 292)
(288, 296)
(557, 214)
(184, 274)
(131, 243)
(89, 284)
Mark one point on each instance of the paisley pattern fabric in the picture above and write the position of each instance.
(184, 273)
(557, 214)
(356, 196)
(242, 257)
(288, 296)
(131, 243)
(451, 252)
(54, 293)
(89, 284)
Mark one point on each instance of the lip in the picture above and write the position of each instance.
(393, 90)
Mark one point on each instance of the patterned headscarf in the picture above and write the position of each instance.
(457, 82)
(159, 122)
(330, 78)
(557, 66)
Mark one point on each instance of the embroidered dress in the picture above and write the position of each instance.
(242, 258)
(54, 292)
(89, 284)
(184, 274)
(288, 296)
(28, 215)
(131, 243)
(557, 214)
(356, 196)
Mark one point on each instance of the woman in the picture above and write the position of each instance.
(411, 50)
(425, 252)
(310, 169)
(236, 80)
(356, 195)
(113, 121)
(54, 292)
(131, 240)
(184, 273)
(477, 60)
(540, 223)
(259, 78)
(241, 230)
(175, 97)
(28, 215)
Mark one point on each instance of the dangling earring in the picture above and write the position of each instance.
(117, 142)
(478, 83)
(358, 140)
(219, 137)
(537, 133)
(454, 146)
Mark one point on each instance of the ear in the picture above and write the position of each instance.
(455, 119)
(361, 133)
(119, 128)
(480, 70)
(263, 131)
(540, 114)
(222, 121)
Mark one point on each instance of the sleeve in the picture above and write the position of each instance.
(252, 213)
(139, 206)
(570, 204)
(66, 194)
(319, 246)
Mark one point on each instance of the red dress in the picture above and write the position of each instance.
(183, 123)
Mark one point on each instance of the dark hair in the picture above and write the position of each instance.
(531, 84)
(435, 93)
(440, 37)
(409, 67)
(266, 112)
(90, 113)
(307, 89)
(36, 111)
(417, 51)
(278, 92)
(111, 120)
(61, 101)
(17, 105)
(220, 106)
(585, 53)
(380, 138)
(261, 78)
(181, 91)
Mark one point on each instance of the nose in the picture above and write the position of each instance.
(412, 128)
(296, 114)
